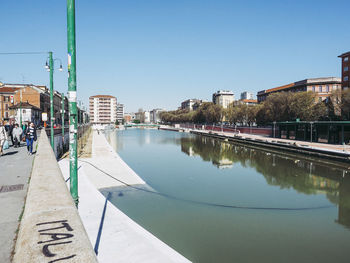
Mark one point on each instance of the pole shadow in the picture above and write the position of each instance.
(97, 243)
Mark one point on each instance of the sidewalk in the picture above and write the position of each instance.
(15, 169)
(315, 145)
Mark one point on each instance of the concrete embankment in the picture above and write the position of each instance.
(330, 152)
(51, 229)
(115, 237)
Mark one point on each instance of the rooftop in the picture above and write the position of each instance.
(24, 105)
(344, 54)
(304, 82)
(102, 96)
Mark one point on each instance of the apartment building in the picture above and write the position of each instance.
(323, 88)
(223, 98)
(35, 97)
(155, 115)
(120, 112)
(345, 71)
(191, 104)
(103, 109)
(247, 95)
(6, 101)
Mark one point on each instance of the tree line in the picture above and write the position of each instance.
(281, 106)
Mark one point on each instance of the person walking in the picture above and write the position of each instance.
(16, 133)
(31, 136)
(11, 127)
(3, 137)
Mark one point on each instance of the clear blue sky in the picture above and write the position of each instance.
(157, 53)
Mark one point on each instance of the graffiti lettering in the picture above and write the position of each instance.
(54, 237)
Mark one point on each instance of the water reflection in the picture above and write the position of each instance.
(305, 176)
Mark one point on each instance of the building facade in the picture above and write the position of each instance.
(247, 95)
(120, 112)
(38, 97)
(345, 72)
(6, 101)
(191, 104)
(155, 115)
(103, 109)
(323, 88)
(223, 98)
(247, 102)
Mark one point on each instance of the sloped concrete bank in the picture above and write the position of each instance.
(51, 229)
(276, 144)
(115, 237)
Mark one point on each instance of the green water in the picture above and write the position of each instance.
(210, 171)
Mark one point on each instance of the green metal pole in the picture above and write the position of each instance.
(72, 99)
(62, 95)
(51, 100)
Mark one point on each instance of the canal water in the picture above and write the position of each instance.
(223, 202)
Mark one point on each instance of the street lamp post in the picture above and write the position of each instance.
(51, 100)
(62, 95)
(50, 67)
(72, 99)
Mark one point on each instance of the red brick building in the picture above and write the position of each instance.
(345, 72)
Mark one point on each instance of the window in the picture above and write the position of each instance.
(313, 88)
(335, 87)
(327, 88)
(346, 78)
(346, 59)
(319, 88)
(346, 68)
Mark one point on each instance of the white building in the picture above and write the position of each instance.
(191, 104)
(155, 115)
(247, 95)
(223, 98)
(120, 112)
(103, 109)
(147, 117)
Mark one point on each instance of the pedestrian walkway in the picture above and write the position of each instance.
(15, 169)
(315, 145)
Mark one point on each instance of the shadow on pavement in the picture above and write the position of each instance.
(10, 153)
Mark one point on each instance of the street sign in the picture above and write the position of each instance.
(44, 116)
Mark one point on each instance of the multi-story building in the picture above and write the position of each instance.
(35, 97)
(323, 87)
(146, 117)
(223, 98)
(247, 102)
(6, 101)
(155, 115)
(103, 109)
(247, 95)
(128, 117)
(345, 70)
(120, 112)
(191, 104)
